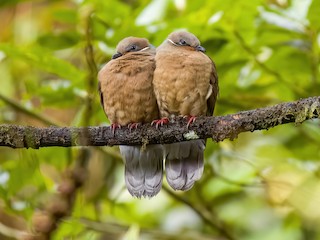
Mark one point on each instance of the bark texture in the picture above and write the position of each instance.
(217, 128)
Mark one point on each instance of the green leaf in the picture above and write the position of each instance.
(59, 41)
(43, 59)
(314, 13)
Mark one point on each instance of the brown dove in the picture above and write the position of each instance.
(185, 84)
(127, 97)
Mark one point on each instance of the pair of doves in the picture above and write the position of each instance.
(143, 85)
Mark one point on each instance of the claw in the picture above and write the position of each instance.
(133, 126)
(160, 122)
(114, 126)
(191, 120)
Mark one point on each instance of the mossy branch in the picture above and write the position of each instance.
(217, 128)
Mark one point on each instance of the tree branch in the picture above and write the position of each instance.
(218, 128)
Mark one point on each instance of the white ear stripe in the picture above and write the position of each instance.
(172, 42)
(144, 49)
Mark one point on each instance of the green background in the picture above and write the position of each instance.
(263, 185)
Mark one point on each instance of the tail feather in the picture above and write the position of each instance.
(184, 163)
(143, 169)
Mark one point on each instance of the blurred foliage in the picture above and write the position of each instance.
(263, 185)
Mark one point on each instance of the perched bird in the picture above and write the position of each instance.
(185, 84)
(127, 97)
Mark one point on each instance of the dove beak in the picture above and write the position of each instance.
(200, 49)
(114, 56)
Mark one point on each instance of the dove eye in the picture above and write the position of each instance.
(132, 48)
(182, 42)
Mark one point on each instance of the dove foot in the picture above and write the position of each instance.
(190, 119)
(133, 126)
(160, 122)
(114, 126)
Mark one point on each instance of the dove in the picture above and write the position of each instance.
(127, 98)
(185, 83)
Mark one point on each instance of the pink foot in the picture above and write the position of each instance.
(191, 120)
(160, 122)
(114, 126)
(133, 126)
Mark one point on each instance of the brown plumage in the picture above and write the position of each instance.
(125, 83)
(126, 92)
(185, 84)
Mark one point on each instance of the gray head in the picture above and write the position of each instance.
(131, 44)
(186, 40)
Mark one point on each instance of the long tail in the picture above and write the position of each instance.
(184, 163)
(143, 169)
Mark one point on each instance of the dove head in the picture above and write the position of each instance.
(131, 44)
(186, 40)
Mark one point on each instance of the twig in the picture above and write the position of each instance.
(117, 230)
(28, 112)
(11, 232)
(294, 88)
(204, 215)
(45, 222)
